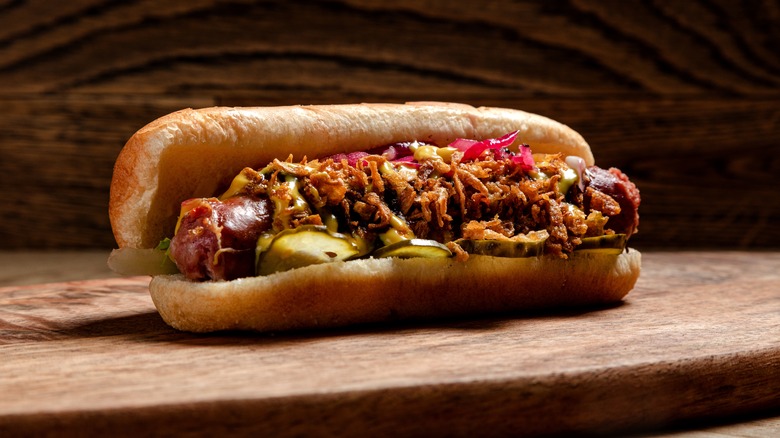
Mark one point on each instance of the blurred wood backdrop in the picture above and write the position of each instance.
(684, 96)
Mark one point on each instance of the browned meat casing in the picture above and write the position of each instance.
(216, 239)
(615, 185)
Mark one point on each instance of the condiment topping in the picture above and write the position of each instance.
(413, 199)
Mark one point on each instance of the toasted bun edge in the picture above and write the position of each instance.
(377, 290)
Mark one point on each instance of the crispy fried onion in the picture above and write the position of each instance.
(489, 198)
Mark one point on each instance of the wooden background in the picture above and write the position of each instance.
(682, 95)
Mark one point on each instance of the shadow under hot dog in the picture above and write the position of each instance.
(150, 328)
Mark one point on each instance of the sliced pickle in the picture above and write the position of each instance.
(406, 249)
(503, 248)
(362, 245)
(607, 244)
(303, 246)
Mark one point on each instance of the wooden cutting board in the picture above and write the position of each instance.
(698, 337)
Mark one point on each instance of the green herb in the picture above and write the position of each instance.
(164, 244)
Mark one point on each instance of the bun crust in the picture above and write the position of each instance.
(375, 290)
(192, 153)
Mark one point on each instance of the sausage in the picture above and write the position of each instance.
(216, 239)
(615, 184)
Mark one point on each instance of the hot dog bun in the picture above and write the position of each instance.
(192, 153)
(375, 290)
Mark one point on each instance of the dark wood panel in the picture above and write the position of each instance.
(575, 47)
(57, 159)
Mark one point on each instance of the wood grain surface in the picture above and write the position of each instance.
(683, 96)
(38, 267)
(698, 339)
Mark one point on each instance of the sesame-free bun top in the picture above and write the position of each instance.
(194, 153)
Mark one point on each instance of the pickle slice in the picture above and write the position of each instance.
(410, 248)
(303, 246)
(503, 248)
(607, 244)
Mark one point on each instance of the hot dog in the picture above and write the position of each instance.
(320, 216)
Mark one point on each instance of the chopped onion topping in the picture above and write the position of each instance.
(352, 157)
(525, 158)
(578, 165)
(472, 149)
(408, 160)
(463, 144)
(403, 152)
(476, 149)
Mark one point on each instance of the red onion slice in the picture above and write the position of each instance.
(476, 149)
(525, 158)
